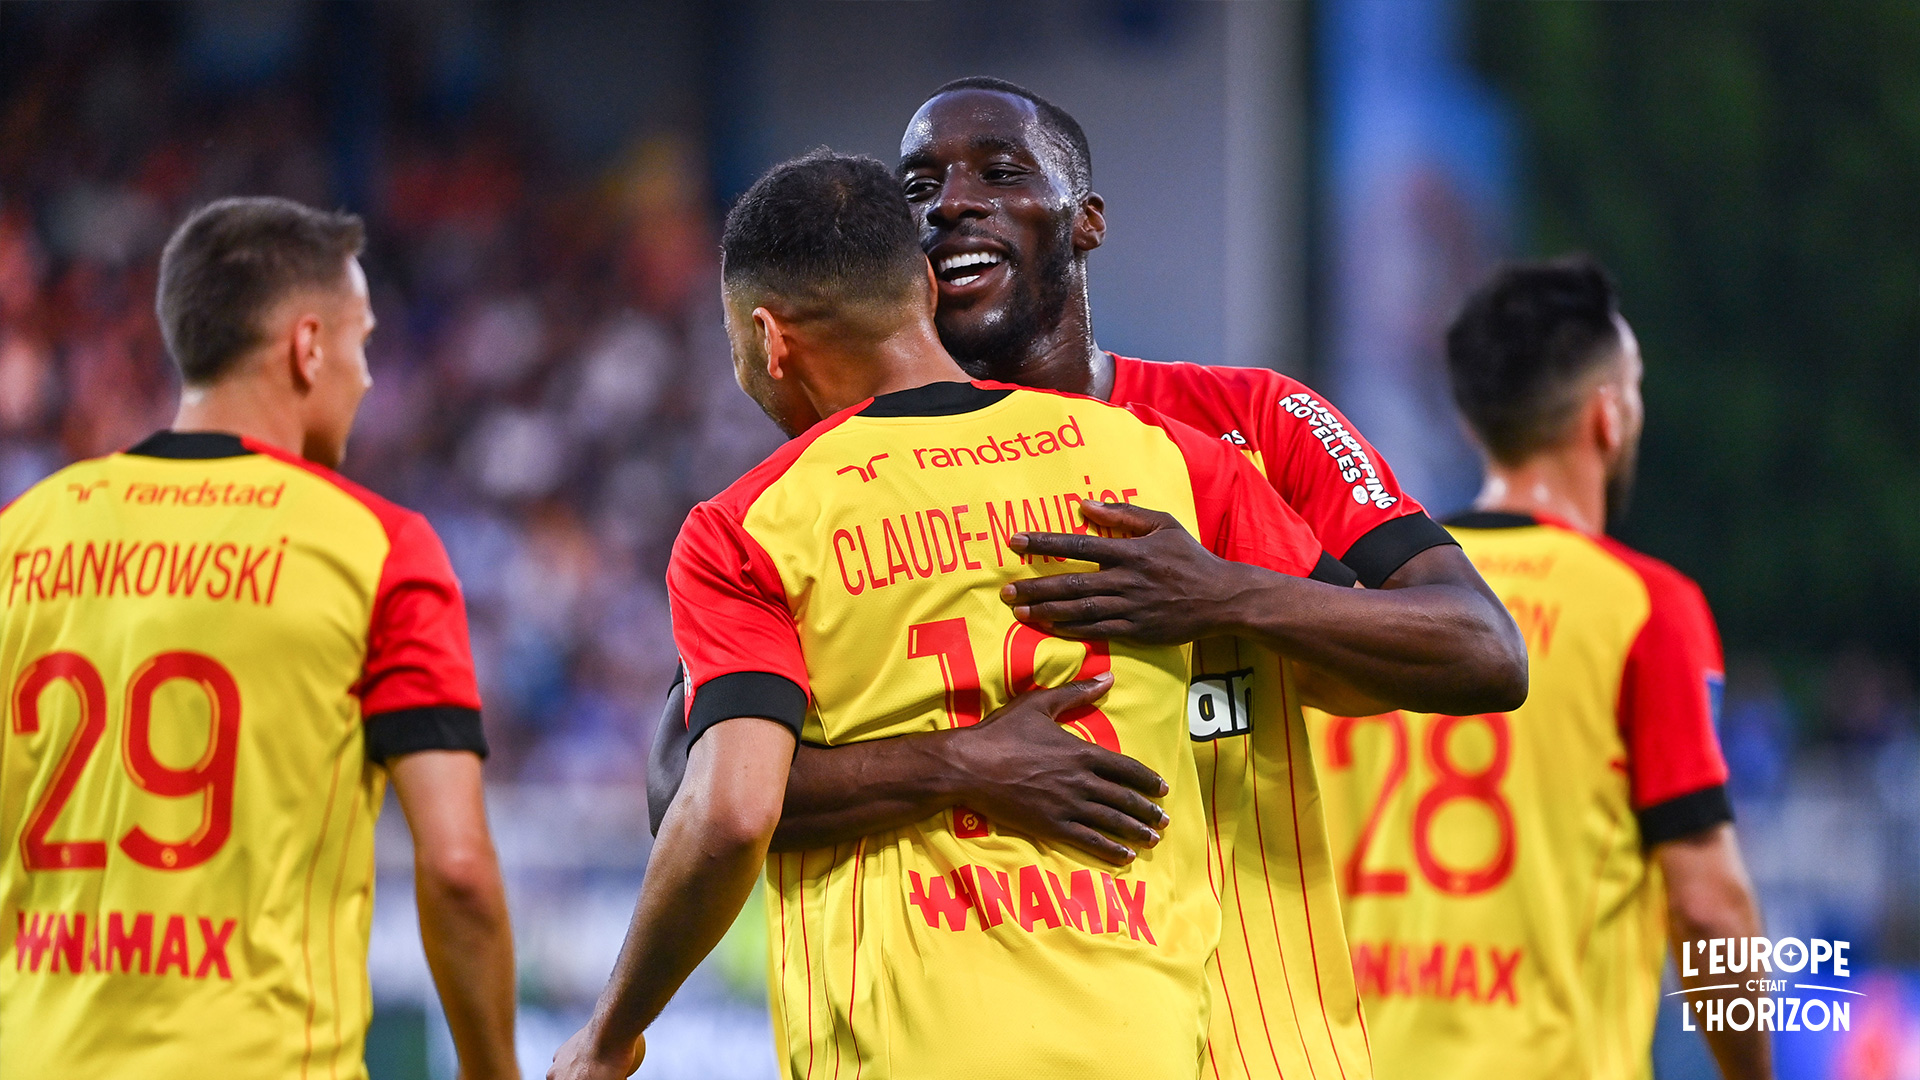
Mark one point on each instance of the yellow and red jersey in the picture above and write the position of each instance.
(1285, 1002)
(849, 587)
(208, 645)
(1504, 915)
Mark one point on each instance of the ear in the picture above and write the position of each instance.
(305, 356)
(773, 339)
(1609, 418)
(1090, 224)
(933, 289)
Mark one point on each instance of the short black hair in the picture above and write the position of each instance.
(821, 231)
(1058, 122)
(1523, 346)
(233, 259)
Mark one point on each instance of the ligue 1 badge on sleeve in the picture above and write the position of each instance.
(1766, 984)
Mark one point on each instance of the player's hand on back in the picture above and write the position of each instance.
(1157, 584)
(1028, 774)
(580, 1058)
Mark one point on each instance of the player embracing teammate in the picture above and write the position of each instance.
(1001, 183)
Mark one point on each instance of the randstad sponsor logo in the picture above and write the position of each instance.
(206, 493)
(996, 450)
(1779, 972)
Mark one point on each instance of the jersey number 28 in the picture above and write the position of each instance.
(1450, 782)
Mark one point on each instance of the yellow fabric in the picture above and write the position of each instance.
(925, 954)
(1284, 998)
(1547, 964)
(116, 971)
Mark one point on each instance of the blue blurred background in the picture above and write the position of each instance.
(1308, 186)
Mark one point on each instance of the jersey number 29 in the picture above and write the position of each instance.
(211, 775)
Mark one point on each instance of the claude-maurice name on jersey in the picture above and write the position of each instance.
(106, 568)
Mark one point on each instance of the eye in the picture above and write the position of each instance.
(1002, 174)
(920, 187)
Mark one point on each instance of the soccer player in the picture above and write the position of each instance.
(216, 653)
(847, 590)
(1001, 181)
(1511, 878)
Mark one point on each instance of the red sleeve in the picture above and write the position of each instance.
(1322, 466)
(1669, 704)
(418, 691)
(417, 650)
(1240, 516)
(731, 622)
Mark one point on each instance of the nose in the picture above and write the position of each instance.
(960, 198)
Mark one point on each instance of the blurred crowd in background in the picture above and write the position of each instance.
(551, 379)
(552, 389)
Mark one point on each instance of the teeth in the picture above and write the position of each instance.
(968, 280)
(972, 258)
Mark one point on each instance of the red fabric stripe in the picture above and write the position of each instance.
(853, 972)
(1306, 908)
(1266, 878)
(806, 951)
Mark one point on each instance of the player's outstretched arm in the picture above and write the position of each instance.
(1434, 638)
(711, 847)
(1018, 767)
(1709, 896)
(463, 905)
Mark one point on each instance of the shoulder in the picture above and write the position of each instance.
(738, 497)
(1677, 611)
(1668, 590)
(408, 532)
(1234, 385)
(79, 476)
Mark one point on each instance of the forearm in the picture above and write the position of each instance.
(697, 880)
(469, 946)
(838, 795)
(1438, 647)
(1708, 897)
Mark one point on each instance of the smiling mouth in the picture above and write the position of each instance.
(967, 268)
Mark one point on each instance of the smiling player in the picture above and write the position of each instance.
(1001, 181)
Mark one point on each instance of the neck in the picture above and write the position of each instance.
(1066, 357)
(1562, 483)
(244, 406)
(910, 357)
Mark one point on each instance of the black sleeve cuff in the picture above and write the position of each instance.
(436, 727)
(1684, 816)
(667, 758)
(1333, 572)
(746, 693)
(1375, 556)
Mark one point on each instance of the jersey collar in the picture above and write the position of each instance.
(191, 445)
(936, 399)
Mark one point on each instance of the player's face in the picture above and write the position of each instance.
(781, 399)
(1620, 471)
(994, 195)
(342, 379)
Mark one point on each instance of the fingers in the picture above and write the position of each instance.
(1054, 700)
(1121, 769)
(1086, 609)
(1093, 843)
(1083, 548)
(1125, 828)
(1136, 807)
(1123, 518)
(1034, 590)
